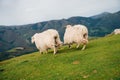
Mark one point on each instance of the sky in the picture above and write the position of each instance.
(20, 12)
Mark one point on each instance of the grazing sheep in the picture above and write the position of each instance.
(76, 34)
(116, 31)
(47, 39)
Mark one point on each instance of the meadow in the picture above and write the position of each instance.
(99, 61)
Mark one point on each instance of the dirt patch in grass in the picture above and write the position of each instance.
(76, 62)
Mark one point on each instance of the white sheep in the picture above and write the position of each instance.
(47, 39)
(76, 34)
(116, 31)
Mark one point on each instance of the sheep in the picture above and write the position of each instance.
(116, 31)
(47, 39)
(76, 34)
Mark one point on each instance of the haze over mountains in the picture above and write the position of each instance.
(20, 36)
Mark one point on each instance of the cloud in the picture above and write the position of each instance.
(15, 12)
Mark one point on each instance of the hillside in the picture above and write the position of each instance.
(100, 61)
(20, 36)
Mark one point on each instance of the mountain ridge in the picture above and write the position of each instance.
(101, 15)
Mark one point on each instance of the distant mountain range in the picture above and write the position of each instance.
(20, 36)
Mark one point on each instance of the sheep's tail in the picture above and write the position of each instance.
(55, 40)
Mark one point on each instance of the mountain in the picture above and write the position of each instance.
(12, 37)
(99, 61)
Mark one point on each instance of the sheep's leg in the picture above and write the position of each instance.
(78, 46)
(55, 50)
(40, 51)
(85, 41)
(83, 47)
(46, 51)
(69, 46)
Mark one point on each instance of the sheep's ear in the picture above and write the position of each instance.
(36, 33)
(32, 37)
(68, 26)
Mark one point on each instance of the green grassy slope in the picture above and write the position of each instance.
(100, 61)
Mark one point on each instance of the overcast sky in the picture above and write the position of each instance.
(19, 12)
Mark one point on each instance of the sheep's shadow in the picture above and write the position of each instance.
(66, 49)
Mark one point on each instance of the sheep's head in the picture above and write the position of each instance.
(33, 39)
(68, 26)
(58, 45)
(84, 41)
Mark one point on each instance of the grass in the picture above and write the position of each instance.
(100, 61)
(12, 50)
